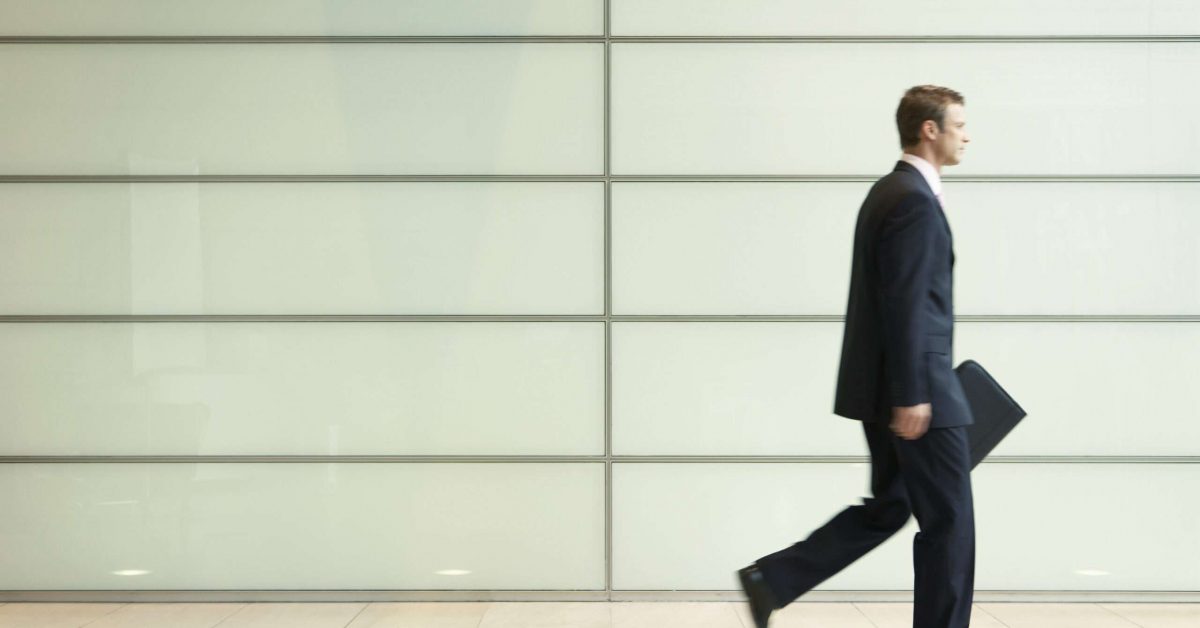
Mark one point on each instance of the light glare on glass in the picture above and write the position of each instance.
(452, 572)
(1092, 572)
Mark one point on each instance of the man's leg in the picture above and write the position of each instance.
(795, 570)
(937, 474)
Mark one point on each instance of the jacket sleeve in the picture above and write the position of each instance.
(905, 258)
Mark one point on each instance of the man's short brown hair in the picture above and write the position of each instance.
(921, 103)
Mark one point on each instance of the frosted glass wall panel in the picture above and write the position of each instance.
(302, 109)
(1097, 527)
(302, 248)
(302, 526)
(1038, 526)
(728, 388)
(732, 248)
(767, 388)
(691, 525)
(1075, 248)
(301, 388)
(1021, 248)
(915, 18)
(301, 17)
(769, 108)
(1094, 388)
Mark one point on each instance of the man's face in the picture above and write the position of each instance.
(951, 142)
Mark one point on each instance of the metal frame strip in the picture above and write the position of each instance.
(581, 178)
(608, 459)
(605, 39)
(569, 318)
(608, 317)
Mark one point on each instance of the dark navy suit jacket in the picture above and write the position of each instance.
(899, 329)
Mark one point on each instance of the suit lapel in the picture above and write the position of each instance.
(907, 167)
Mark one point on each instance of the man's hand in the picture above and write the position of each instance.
(911, 422)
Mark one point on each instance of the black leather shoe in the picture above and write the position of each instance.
(762, 601)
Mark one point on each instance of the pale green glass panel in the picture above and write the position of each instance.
(828, 109)
(1091, 527)
(1114, 389)
(732, 248)
(302, 248)
(1075, 248)
(505, 108)
(1020, 247)
(1039, 527)
(909, 19)
(302, 526)
(301, 388)
(728, 389)
(301, 17)
(662, 514)
(767, 388)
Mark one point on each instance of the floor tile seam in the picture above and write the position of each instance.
(1036, 606)
(96, 619)
(1128, 619)
(235, 611)
(864, 614)
(997, 619)
(366, 605)
(231, 614)
(736, 615)
(360, 612)
(490, 605)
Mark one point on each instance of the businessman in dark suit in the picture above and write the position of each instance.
(896, 377)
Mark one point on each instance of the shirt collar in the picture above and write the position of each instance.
(927, 170)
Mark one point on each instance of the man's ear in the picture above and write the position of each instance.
(929, 129)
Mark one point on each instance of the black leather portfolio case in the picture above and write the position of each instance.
(996, 413)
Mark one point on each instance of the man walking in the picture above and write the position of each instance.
(896, 377)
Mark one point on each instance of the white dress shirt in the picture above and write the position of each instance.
(929, 172)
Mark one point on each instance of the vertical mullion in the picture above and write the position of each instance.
(608, 522)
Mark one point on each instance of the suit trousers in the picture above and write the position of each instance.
(929, 477)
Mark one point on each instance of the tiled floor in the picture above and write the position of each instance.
(576, 615)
